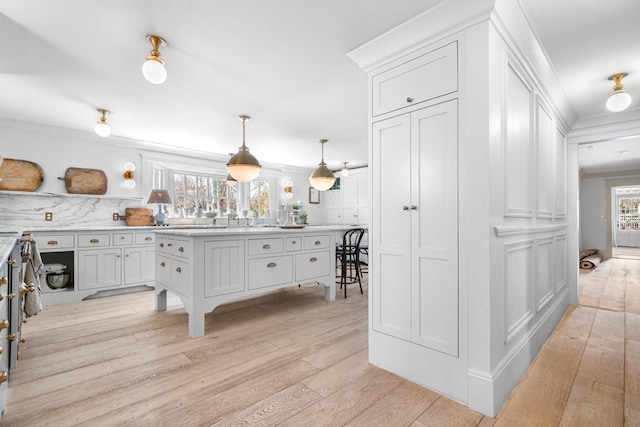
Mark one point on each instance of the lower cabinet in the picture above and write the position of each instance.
(99, 268)
(96, 261)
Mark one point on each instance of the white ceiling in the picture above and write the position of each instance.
(283, 62)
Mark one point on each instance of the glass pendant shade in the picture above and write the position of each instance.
(153, 70)
(322, 178)
(243, 166)
(231, 181)
(102, 128)
(344, 171)
(129, 184)
(619, 99)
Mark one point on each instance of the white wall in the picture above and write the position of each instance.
(56, 149)
(593, 208)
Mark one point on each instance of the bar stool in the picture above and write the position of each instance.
(348, 255)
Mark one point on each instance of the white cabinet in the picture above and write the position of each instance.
(97, 260)
(415, 272)
(332, 207)
(355, 197)
(99, 268)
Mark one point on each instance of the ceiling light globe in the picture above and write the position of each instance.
(103, 129)
(244, 172)
(153, 70)
(618, 101)
(129, 184)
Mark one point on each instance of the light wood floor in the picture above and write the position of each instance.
(290, 358)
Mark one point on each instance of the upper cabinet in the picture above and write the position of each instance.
(426, 77)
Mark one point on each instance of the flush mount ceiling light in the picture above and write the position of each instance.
(322, 178)
(242, 165)
(344, 171)
(153, 68)
(619, 99)
(102, 128)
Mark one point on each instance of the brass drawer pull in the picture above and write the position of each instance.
(122, 237)
(271, 265)
(266, 246)
(169, 244)
(11, 337)
(179, 270)
(148, 238)
(318, 242)
(162, 264)
(4, 324)
(180, 249)
(409, 99)
(313, 259)
(11, 261)
(3, 376)
(161, 245)
(4, 280)
(52, 242)
(293, 242)
(11, 296)
(1, 297)
(94, 241)
(1, 350)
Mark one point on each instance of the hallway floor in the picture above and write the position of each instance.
(588, 372)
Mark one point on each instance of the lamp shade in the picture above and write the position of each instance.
(159, 197)
(322, 178)
(231, 181)
(103, 130)
(243, 166)
(618, 101)
(154, 71)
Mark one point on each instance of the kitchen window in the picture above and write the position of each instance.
(259, 196)
(195, 195)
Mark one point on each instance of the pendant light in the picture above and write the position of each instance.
(102, 128)
(231, 181)
(322, 178)
(619, 99)
(344, 171)
(153, 68)
(243, 166)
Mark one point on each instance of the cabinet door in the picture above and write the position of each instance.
(333, 207)
(434, 227)
(390, 234)
(139, 265)
(224, 267)
(99, 268)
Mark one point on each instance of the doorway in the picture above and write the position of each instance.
(625, 222)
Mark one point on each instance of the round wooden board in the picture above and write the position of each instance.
(20, 175)
(85, 181)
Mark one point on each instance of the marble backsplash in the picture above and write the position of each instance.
(27, 210)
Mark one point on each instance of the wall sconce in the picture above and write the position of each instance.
(288, 190)
(153, 68)
(322, 178)
(619, 99)
(344, 171)
(102, 128)
(129, 181)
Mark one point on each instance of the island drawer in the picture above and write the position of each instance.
(317, 242)
(270, 271)
(122, 239)
(293, 244)
(312, 265)
(265, 246)
(145, 238)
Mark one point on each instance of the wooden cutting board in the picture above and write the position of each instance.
(139, 216)
(85, 181)
(20, 175)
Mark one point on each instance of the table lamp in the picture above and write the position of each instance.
(160, 198)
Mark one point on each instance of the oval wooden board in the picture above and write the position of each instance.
(85, 181)
(20, 175)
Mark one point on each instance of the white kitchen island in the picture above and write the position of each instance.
(207, 267)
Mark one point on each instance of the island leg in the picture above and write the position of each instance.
(329, 290)
(196, 324)
(161, 299)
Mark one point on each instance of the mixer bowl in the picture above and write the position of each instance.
(58, 280)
